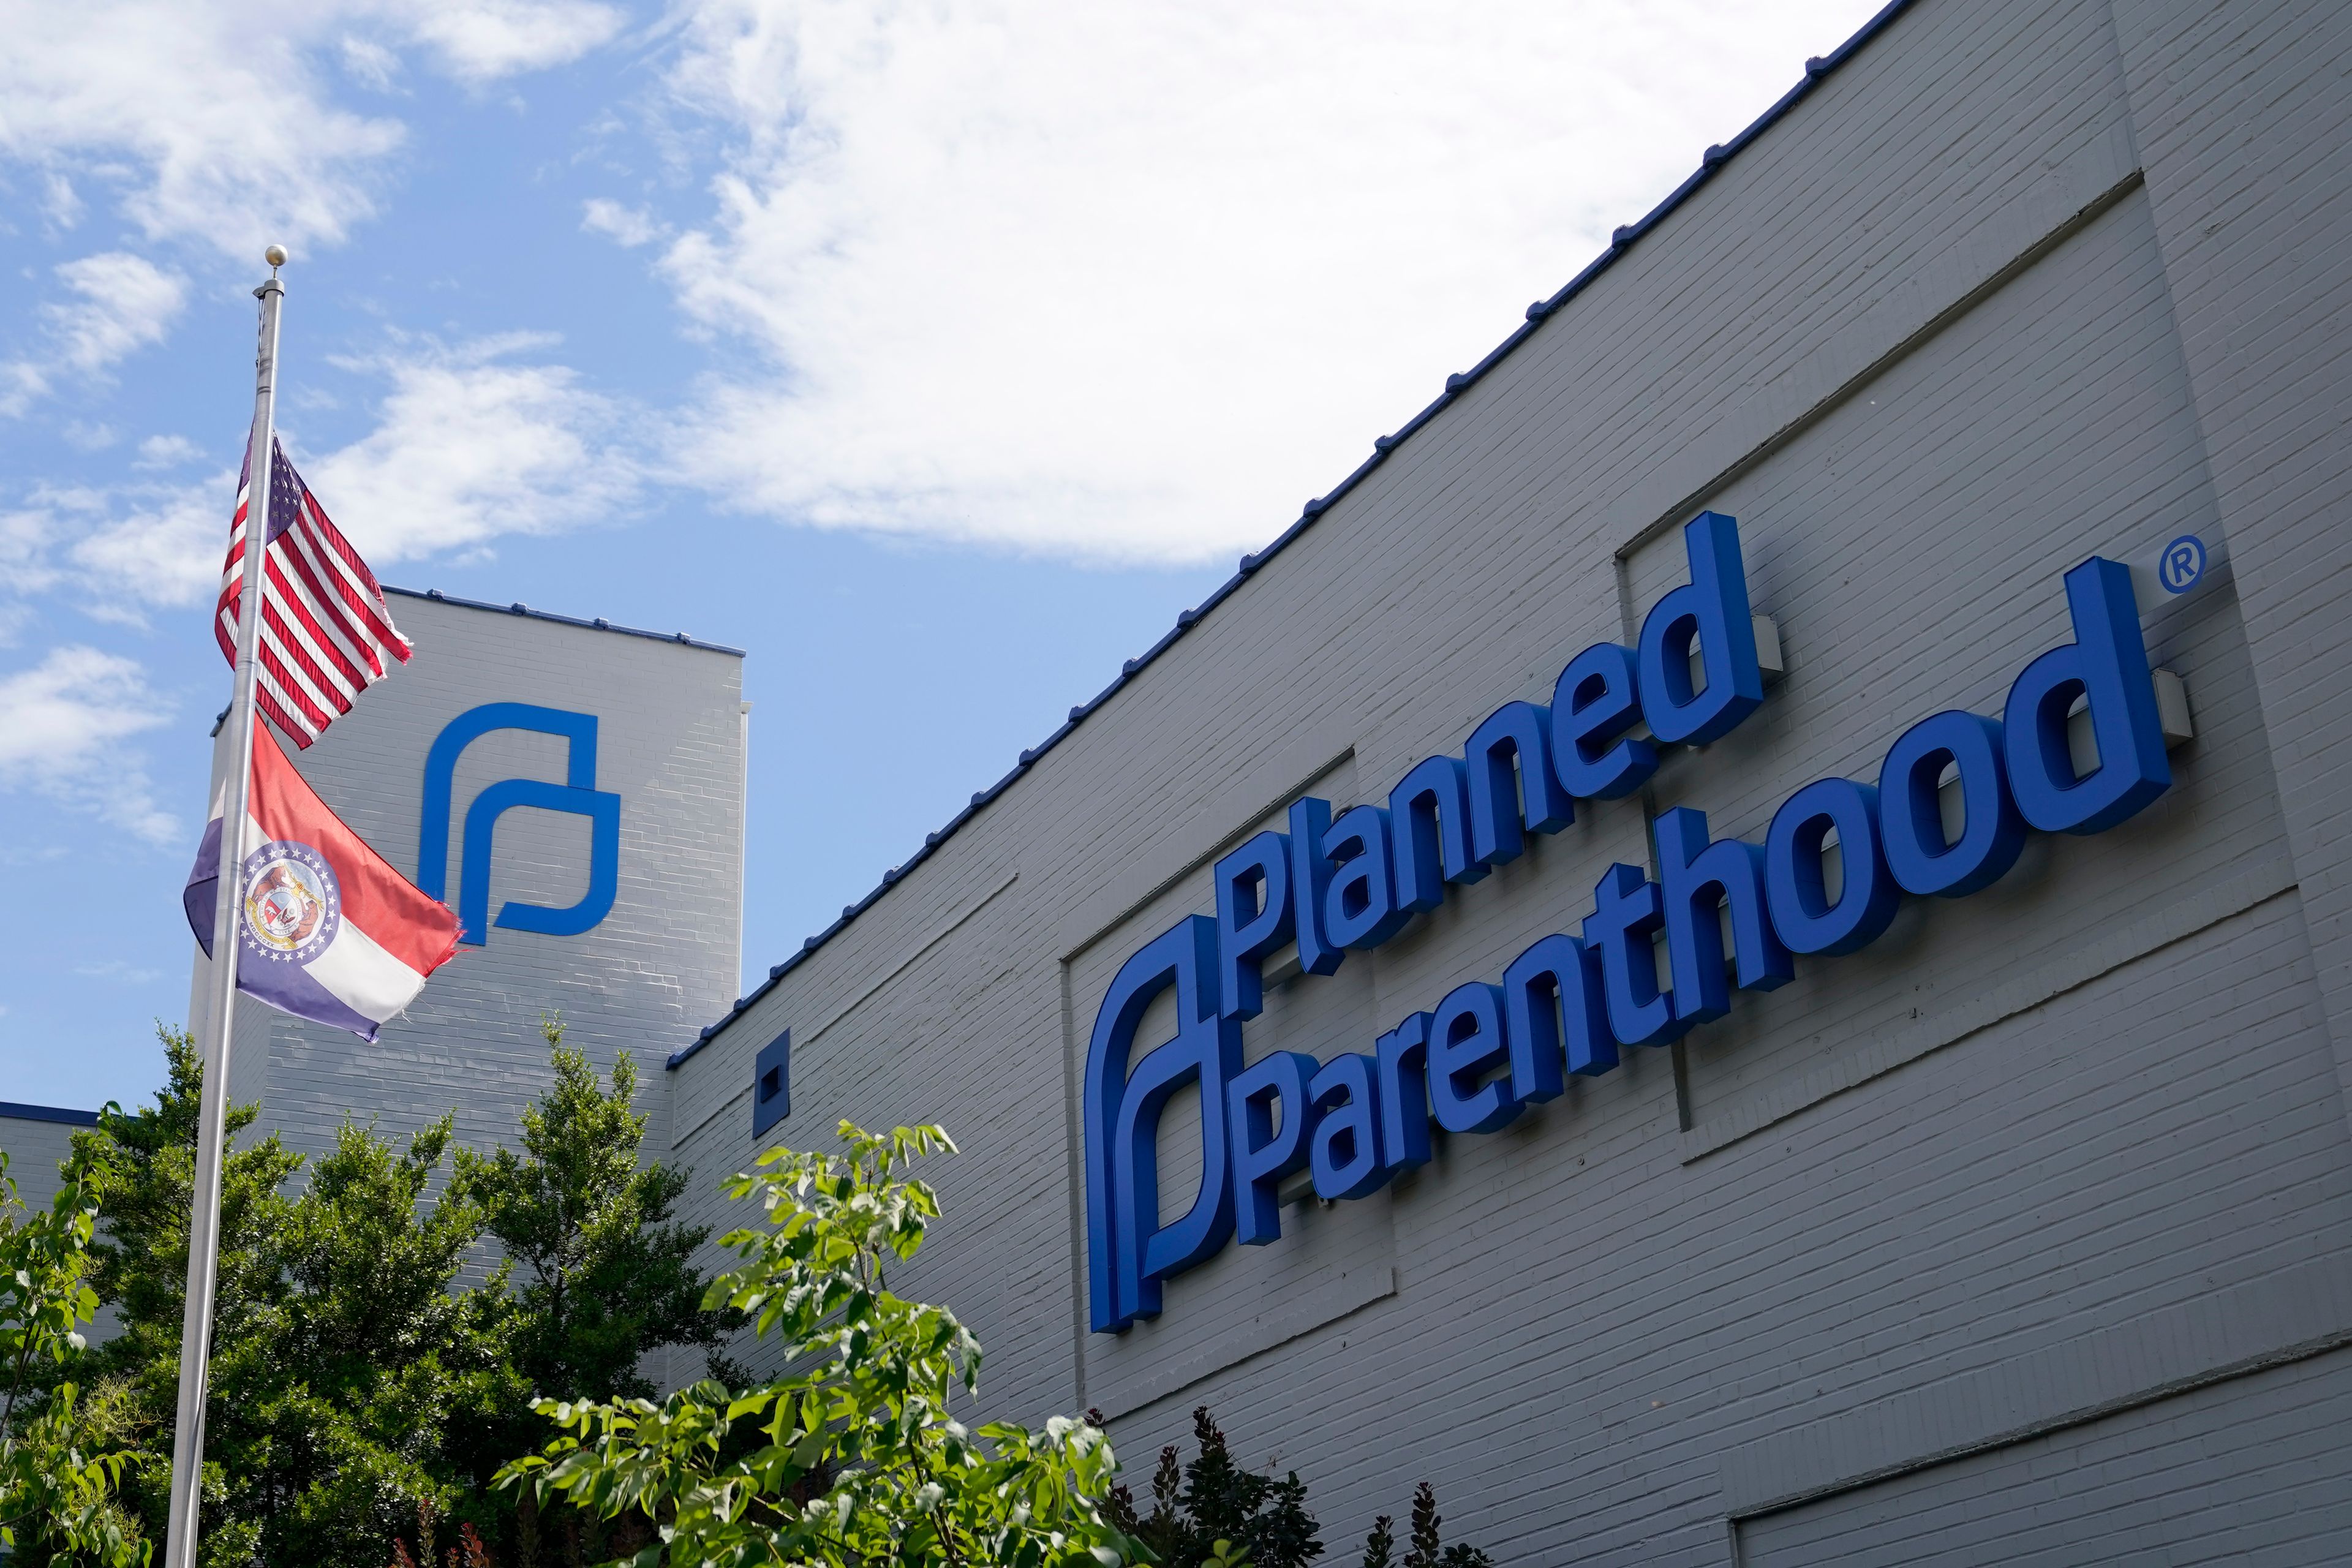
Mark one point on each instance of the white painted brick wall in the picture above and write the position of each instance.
(2015, 284)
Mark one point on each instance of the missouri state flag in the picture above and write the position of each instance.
(329, 931)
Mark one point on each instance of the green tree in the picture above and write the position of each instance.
(603, 1272)
(61, 1455)
(340, 1414)
(851, 1457)
(1214, 1510)
(1212, 1513)
(342, 1360)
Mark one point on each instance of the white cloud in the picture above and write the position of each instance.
(210, 118)
(628, 227)
(24, 550)
(162, 549)
(1135, 281)
(59, 200)
(483, 40)
(127, 302)
(62, 727)
(470, 445)
(123, 303)
(119, 969)
(369, 62)
(167, 452)
(20, 383)
(123, 551)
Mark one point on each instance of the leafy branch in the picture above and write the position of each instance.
(851, 1459)
(58, 1484)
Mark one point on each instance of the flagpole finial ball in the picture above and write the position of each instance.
(275, 256)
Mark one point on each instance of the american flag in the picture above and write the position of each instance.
(325, 630)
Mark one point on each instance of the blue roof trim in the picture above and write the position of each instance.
(1710, 164)
(598, 624)
(11, 1110)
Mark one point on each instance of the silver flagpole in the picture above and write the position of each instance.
(203, 1221)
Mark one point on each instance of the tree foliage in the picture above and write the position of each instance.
(1213, 1513)
(852, 1455)
(603, 1272)
(1214, 1510)
(341, 1358)
(360, 1394)
(355, 1380)
(60, 1454)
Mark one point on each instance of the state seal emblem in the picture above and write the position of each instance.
(292, 905)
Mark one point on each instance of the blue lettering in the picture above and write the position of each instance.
(1402, 1058)
(1597, 699)
(1345, 1157)
(1466, 1044)
(1359, 908)
(1711, 610)
(1565, 1005)
(1695, 879)
(1794, 886)
(1310, 878)
(1911, 821)
(1429, 812)
(1253, 919)
(2107, 665)
(1265, 1150)
(1512, 790)
(1626, 913)
(1554, 1016)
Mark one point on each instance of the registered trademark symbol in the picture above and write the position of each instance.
(2182, 565)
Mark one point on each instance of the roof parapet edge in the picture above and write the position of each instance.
(599, 624)
(14, 1111)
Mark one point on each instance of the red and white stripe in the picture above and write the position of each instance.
(326, 633)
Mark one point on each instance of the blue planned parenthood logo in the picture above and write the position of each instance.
(2182, 565)
(577, 795)
(293, 906)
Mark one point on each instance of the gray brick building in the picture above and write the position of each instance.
(2015, 1234)
(2019, 1235)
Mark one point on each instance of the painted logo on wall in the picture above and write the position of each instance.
(1733, 915)
(578, 794)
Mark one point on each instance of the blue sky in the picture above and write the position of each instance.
(949, 347)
